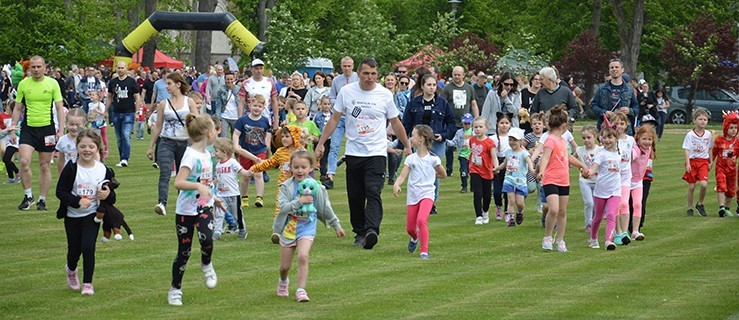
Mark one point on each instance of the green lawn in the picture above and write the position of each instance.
(686, 268)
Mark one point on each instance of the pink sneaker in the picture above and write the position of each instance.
(301, 296)
(72, 280)
(498, 214)
(87, 289)
(282, 288)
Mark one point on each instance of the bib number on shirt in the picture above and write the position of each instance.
(50, 141)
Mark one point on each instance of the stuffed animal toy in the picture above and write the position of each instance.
(523, 115)
(308, 187)
(110, 216)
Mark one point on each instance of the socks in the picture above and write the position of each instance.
(28, 192)
(41, 198)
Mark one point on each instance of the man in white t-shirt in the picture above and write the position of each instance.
(258, 84)
(368, 107)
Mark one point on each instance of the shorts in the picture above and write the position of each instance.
(519, 190)
(42, 139)
(294, 244)
(726, 181)
(246, 163)
(553, 189)
(698, 171)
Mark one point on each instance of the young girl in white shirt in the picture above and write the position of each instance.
(607, 192)
(587, 153)
(67, 145)
(96, 114)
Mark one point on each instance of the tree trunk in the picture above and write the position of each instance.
(264, 17)
(118, 16)
(629, 33)
(150, 47)
(204, 38)
(595, 21)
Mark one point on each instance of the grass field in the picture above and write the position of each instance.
(687, 268)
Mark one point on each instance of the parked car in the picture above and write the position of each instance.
(714, 101)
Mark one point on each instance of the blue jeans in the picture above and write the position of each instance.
(336, 138)
(464, 170)
(439, 149)
(86, 105)
(661, 123)
(123, 123)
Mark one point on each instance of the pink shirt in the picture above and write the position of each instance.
(639, 164)
(557, 171)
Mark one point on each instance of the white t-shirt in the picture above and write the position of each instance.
(99, 119)
(567, 135)
(625, 147)
(227, 178)
(68, 147)
(586, 157)
(421, 177)
(366, 115)
(608, 182)
(264, 88)
(231, 112)
(505, 145)
(172, 127)
(86, 185)
(201, 168)
(698, 145)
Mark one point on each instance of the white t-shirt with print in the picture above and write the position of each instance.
(698, 146)
(86, 184)
(608, 180)
(173, 126)
(625, 149)
(227, 178)
(421, 177)
(68, 147)
(366, 115)
(263, 88)
(201, 171)
(586, 157)
(505, 145)
(100, 119)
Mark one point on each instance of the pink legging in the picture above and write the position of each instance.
(104, 135)
(623, 206)
(636, 198)
(417, 222)
(607, 206)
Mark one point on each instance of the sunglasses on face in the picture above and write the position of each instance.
(404, 83)
(508, 84)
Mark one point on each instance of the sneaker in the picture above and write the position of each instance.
(638, 236)
(210, 276)
(72, 280)
(232, 229)
(449, 173)
(259, 202)
(610, 246)
(728, 213)
(282, 290)
(690, 212)
(10, 181)
(130, 236)
(123, 163)
(412, 245)
(546, 244)
(485, 217)
(301, 296)
(370, 240)
(433, 210)
(540, 208)
(329, 184)
(242, 234)
(338, 163)
(265, 177)
(174, 297)
(561, 246)
(625, 238)
(245, 202)
(519, 217)
(216, 235)
(424, 255)
(463, 190)
(721, 212)
(26, 203)
(87, 289)
(358, 241)
(275, 238)
(593, 243)
(41, 205)
(390, 181)
(479, 221)
(511, 220)
(160, 209)
(701, 210)
(617, 239)
(498, 214)
(118, 237)
(104, 240)
(155, 165)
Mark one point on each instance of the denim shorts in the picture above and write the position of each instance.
(519, 190)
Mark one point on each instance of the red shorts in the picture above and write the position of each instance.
(698, 171)
(726, 181)
(246, 163)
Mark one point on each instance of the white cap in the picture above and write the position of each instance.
(257, 62)
(642, 81)
(516, 133)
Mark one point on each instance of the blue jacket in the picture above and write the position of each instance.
(602, 102)
(442, 116)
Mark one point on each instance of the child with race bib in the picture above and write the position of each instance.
(67, 145)
(607, 192)
(516, 165)
(586, 153)
(483, 159)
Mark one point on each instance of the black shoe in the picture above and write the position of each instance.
(390, 181)
(358, 241)
(626, 240)
(690, 212)
(721, 212)
(449, 173)
(464, 190)
(338, 163)
(329, 184)
(701, 210)
(433, 210)
(265, 177)
(370, 239)
(41, 205)
(412, 245)
(26, 203)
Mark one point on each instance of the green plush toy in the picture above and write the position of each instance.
(308, 187)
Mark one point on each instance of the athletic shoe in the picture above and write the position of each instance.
(123, 163)
(160, 209)
(130, 236)
(690, 212)
(424, 255)
(210, 276)
(358, 241)
(216, 235)
(610, 246)
(329, 184)
(118, 237)
(259, 202)
(275, 238)
(155, 165)
(593, 243)
(721, 212)
(174, 297)
(390, 181)
(242, 234)
(282, 290)
(301, 296)
(728, 213)
(498, 214)
(10, 181)
(625, 238)
(232, 229)
(87, 289)
(433, 210)
(519, 217)
(479, 220)
(341, 161)
(72, 280)
(412, 245)
(485, 217)
(463, 190)
(245, 202)
(540, 207)
(701, 210)
(638, 236)
(561, 246)
(104, 240)
(546, 244)
(617, 239)
(26, 203)
(511, 220)
(41, 205)
(370, 240)
(265, 177)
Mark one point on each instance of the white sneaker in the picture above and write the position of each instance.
(485, 218)
(478, 221)
(119, 164)
(593, 243)
(174, 297)
(210, 276)
(160, 209)
(610, 245)
(130, 236)
(546, 244)
(123, 163)
(638, 236)
(104, 240)
(561, 246)
(118, 237)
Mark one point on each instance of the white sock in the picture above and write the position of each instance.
(42, 198)
(28, 192)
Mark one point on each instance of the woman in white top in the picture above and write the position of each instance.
(314, 95)
(171, 132)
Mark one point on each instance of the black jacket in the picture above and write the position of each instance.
(64, 189)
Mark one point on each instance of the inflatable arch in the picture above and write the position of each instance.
(160, 20)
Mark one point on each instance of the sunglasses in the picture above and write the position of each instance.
(403, 71)
(404, 83)
(509, 84)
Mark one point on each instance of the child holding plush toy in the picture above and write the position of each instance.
(109, 215)
(302, 200)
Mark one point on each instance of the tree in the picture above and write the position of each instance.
(264, 16)
(292, 41)
(584, 59)
(204, 38)
(151, 46)
(473, 52)
(702, 55)
(629, 33)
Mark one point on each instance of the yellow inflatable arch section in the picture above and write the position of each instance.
(160, 20)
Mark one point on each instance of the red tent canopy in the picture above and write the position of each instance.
(161, 60)
(424, 58)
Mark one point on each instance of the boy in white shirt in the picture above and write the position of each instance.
(227, 187)
(697, 146)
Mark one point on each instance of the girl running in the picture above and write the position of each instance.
(482, 161)
(607, 192)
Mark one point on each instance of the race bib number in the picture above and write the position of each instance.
(50, 141)
(86, 191)
(363, 128)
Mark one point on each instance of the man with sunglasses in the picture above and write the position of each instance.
(463, 99)
(615, 95)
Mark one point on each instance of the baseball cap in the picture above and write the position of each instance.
(516, 133)
(642, 81)
(647, 118)
(257, 62)
(467, 118)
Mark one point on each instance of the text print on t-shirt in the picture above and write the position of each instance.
(363, 127)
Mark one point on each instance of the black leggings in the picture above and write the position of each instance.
(185, 229)
(8, 160)
(324, 159)
(81, 236)
(501, 199)
(480, 193)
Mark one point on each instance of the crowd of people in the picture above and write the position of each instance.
(215, 131)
